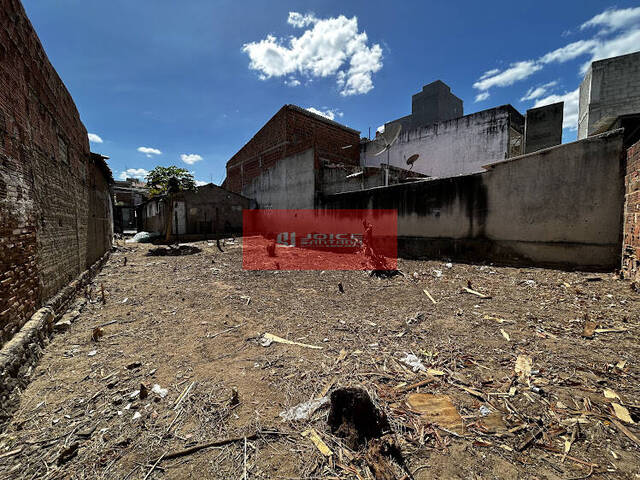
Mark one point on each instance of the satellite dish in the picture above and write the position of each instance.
(412, 159)
(382, 143)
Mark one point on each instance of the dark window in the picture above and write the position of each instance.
(63, 149)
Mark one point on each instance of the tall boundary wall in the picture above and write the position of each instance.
(55, 204)
(558, 207)
(21, 353)
(630, 267)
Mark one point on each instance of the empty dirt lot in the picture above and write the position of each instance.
(194, 325)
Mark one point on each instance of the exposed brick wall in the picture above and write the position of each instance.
(631, 236)
(289, 132)
(44, 168)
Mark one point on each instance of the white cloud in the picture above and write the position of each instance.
(328, 113)
(329, 47)
(380, 129)
(481, 96)
(627, 42)
(570, 115)
(490, 73)
(537, 92)
(94, 138)
(190, 158)
(611, 19)
(292, 82)
(149, 152)
(569, 52)
(300, 21)
(516, 71)
(139, 173)
(200, 183)
(602, 44)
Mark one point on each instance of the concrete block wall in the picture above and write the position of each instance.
(44, 185)
(543, 127)
(631, 234)
(435, 103)
(611, 87)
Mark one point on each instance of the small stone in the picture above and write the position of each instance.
(62, 325)
(92, 353)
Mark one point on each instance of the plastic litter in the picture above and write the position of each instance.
(143, 237)
(413, 361)
(303, 411)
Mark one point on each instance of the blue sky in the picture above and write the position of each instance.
(187, 83)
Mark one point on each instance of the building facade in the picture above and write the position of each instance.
(209, 211)
(128, 195)
(282, 165)
(454, 147)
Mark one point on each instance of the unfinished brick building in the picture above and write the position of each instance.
(55, 207)
(282, 165)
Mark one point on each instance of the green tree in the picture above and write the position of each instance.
(161, 180)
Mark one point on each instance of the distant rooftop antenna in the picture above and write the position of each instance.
(383, 142)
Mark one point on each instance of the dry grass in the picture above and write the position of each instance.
(199, 318)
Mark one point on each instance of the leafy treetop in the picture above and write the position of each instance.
(161, 180)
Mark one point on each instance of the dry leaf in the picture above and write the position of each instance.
(523, 367)
(622, 413)
(505, 334)
(610, 394)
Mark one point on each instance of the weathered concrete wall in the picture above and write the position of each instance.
(559, 207)
(610, 88)
(543, 127)
(456, 147)
(44, 177)
(290, 183)
(631, 234)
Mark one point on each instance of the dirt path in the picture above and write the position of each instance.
(195, 323)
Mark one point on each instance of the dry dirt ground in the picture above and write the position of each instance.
(194, 325)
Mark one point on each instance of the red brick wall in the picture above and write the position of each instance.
(287, 133)
(631, 235)
(44, 189)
